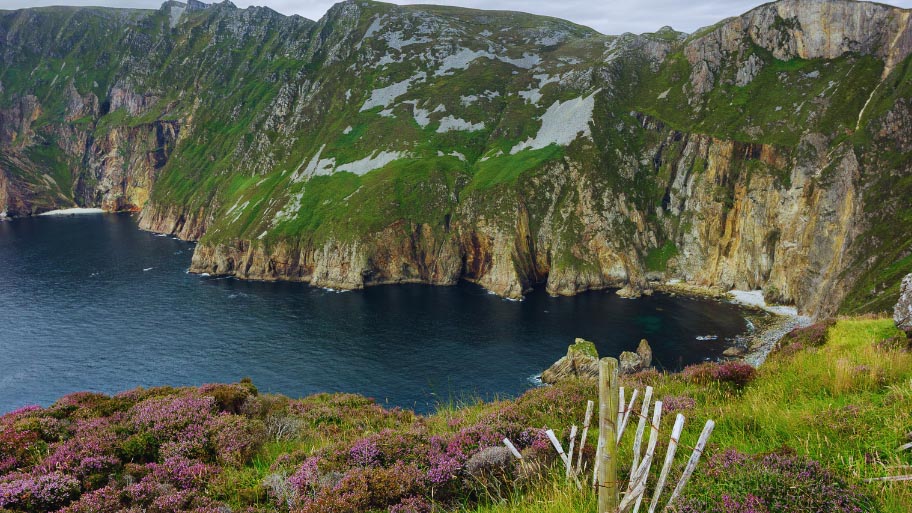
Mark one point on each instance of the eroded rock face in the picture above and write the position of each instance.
(581, 362)
(902, 313)
(750, 202)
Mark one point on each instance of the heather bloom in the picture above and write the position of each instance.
(780, 482)
(167, 416)
(677, 403)
(738, 374)
(90, 449)
(721, 464)
(365, 453)
(184, 473)
(236, 438)
(305, 478)
(534, 438)
(47, 491)
(412, 505)
(443, 468)
(21, 412)
(191, 442)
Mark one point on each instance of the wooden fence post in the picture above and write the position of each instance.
(608, 408)
(692, 463)
(586, 420)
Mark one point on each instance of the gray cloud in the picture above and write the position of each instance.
(607, 16)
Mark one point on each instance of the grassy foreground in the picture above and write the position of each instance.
(829, 409)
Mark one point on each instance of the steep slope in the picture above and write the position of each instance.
(387, 144)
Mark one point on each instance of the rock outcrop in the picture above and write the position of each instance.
(630, 362)
(581, 362)
(902, 313)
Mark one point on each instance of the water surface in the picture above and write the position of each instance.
(92, 303)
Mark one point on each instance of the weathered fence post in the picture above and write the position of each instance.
(586, 420)
(608, 407)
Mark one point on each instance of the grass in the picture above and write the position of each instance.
(657, 258)
(845, 404)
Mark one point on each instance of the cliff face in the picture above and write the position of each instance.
(387, 144)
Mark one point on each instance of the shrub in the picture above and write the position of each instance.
(814, 335)
(412, 505)
(235, 438)
(672, 404)
(42, 492)
(737, 374)
(229, 398)
(779, 482)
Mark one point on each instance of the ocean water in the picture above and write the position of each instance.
(92, 303)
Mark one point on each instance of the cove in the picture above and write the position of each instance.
(92, 303)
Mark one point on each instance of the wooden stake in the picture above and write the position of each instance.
(904, 447)
(641, 426)
(669, 458)
(692, 463)
(627, 411)
(512, 448)
(570, 452)
(888, 478)
(621, 405)
(579, 461)
(557, 447)
(650, 451)
(608, 406)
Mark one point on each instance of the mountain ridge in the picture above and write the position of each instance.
(388, 144)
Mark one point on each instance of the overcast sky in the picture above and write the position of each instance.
(606, 16)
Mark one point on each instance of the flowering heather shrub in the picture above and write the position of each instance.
(306, 479)
(365, 453)
(190, 442)
(814, 335)
(533, 438)
(229, 397)
(154, 450)
(90, 450)
(165, 417)
(642, 379)
(42, 492)
(183, 473)
(780, 482)
(412, 505)
(236, 438)
(366, 489)
(737, 374)
(672, 404)
(15, 446)
(178, 449)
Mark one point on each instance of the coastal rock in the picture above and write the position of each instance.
(644, 351)
(279, 182)
(630, 362)
(581, 362)
(734, 352)
(902, 313)
(629, 292)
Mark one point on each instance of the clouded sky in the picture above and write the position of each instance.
(606, 16)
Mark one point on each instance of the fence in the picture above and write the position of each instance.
(614, 416)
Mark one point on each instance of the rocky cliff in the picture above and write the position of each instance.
(388, 144)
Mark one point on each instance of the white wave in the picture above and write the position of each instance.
(147, 269)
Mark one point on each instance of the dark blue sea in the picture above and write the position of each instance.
(91, 302)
